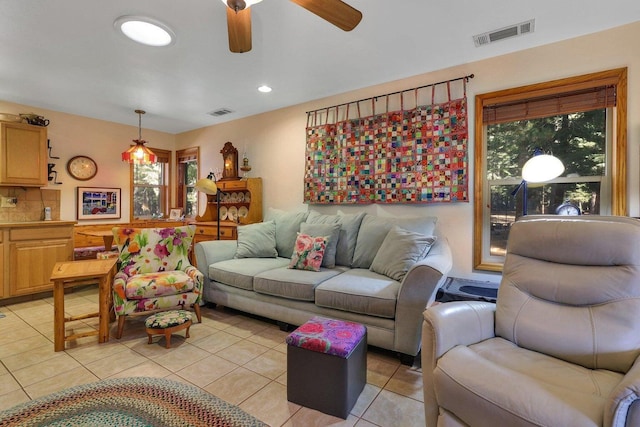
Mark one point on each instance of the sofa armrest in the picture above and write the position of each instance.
(623, 405)
(444, 327)
(417, 290)
(212, 251)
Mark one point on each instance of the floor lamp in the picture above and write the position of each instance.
(538, 169)
(208, 186)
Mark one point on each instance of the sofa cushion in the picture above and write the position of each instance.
(293, 284)
(332, 231)
(308, 252)
(239, 272)
(349, 225)
(287, 227)
(399, 251)
(360, 291)
(257, 240)
(374, 229)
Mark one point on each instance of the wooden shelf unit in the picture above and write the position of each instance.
(206, 225)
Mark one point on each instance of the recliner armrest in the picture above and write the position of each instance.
(458, 323)
(444, 327)
(623, 405)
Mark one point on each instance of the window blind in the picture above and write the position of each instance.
(504, 109)
(187, 155)
(164, 156)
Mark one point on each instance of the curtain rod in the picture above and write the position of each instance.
(466, 78)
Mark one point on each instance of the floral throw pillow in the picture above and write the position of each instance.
(308, 252)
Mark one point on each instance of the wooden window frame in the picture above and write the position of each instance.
(618, 163)
(182, 156)
(164, 156)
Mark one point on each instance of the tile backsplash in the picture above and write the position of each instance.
(30, 205)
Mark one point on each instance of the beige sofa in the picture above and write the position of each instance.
(560, 347)
(387, 294)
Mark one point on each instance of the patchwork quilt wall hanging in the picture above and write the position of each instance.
(415, 155)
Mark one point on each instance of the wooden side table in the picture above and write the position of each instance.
(74, 273)
(107, 237)
(456, 289)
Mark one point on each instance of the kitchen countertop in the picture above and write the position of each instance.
(35, 223)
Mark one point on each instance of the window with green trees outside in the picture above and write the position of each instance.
(580, 120)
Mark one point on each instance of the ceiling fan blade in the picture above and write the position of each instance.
(239, 28)
(336, 12)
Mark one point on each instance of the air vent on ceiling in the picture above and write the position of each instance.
(220, 112)
(504, 33)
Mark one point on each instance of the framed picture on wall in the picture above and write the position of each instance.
(98, 203)
(175, 213)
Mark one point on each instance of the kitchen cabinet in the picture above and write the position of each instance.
(23, 155)
(29, 253)
(1, 267)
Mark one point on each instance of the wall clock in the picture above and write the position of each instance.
(230, 161)
(82, 168)
(568, 208)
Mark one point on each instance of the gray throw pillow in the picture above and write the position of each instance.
(374, 229)
(287, 227)
(257, 240)
(349, 225)
(332, 231)
(399, 251)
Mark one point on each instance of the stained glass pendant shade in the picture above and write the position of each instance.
(138, 153)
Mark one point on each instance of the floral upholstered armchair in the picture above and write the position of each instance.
(155, 273)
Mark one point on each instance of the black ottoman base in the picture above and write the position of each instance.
(327, 383)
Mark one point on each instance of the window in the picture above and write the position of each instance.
(580, 120)
(186, 194)
(150, 187)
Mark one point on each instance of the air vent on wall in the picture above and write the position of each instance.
(504, 33)
(220, 112)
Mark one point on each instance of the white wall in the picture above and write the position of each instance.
(71, 135)
(275, 141)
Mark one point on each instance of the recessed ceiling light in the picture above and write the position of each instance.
(145, 30)
(264, 89)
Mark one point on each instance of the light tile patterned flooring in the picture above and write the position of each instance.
(230, 355)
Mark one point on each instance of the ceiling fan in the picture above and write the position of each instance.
(336, 12)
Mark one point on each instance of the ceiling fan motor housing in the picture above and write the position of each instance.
(236, 4)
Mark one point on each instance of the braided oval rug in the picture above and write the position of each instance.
(134, 402)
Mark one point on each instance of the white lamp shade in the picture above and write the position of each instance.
(542, 168)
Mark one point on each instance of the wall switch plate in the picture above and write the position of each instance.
(8, 202)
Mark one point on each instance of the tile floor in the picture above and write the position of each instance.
(230, 355)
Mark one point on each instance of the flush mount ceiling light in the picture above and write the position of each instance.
(145, 30)
(264, 89)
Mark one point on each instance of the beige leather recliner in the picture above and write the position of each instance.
(561, 345)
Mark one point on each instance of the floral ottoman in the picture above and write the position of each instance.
(166, 323)
(327, 365)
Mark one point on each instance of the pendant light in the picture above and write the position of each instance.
(139, 154)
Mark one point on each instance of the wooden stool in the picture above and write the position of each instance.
(166, 323)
